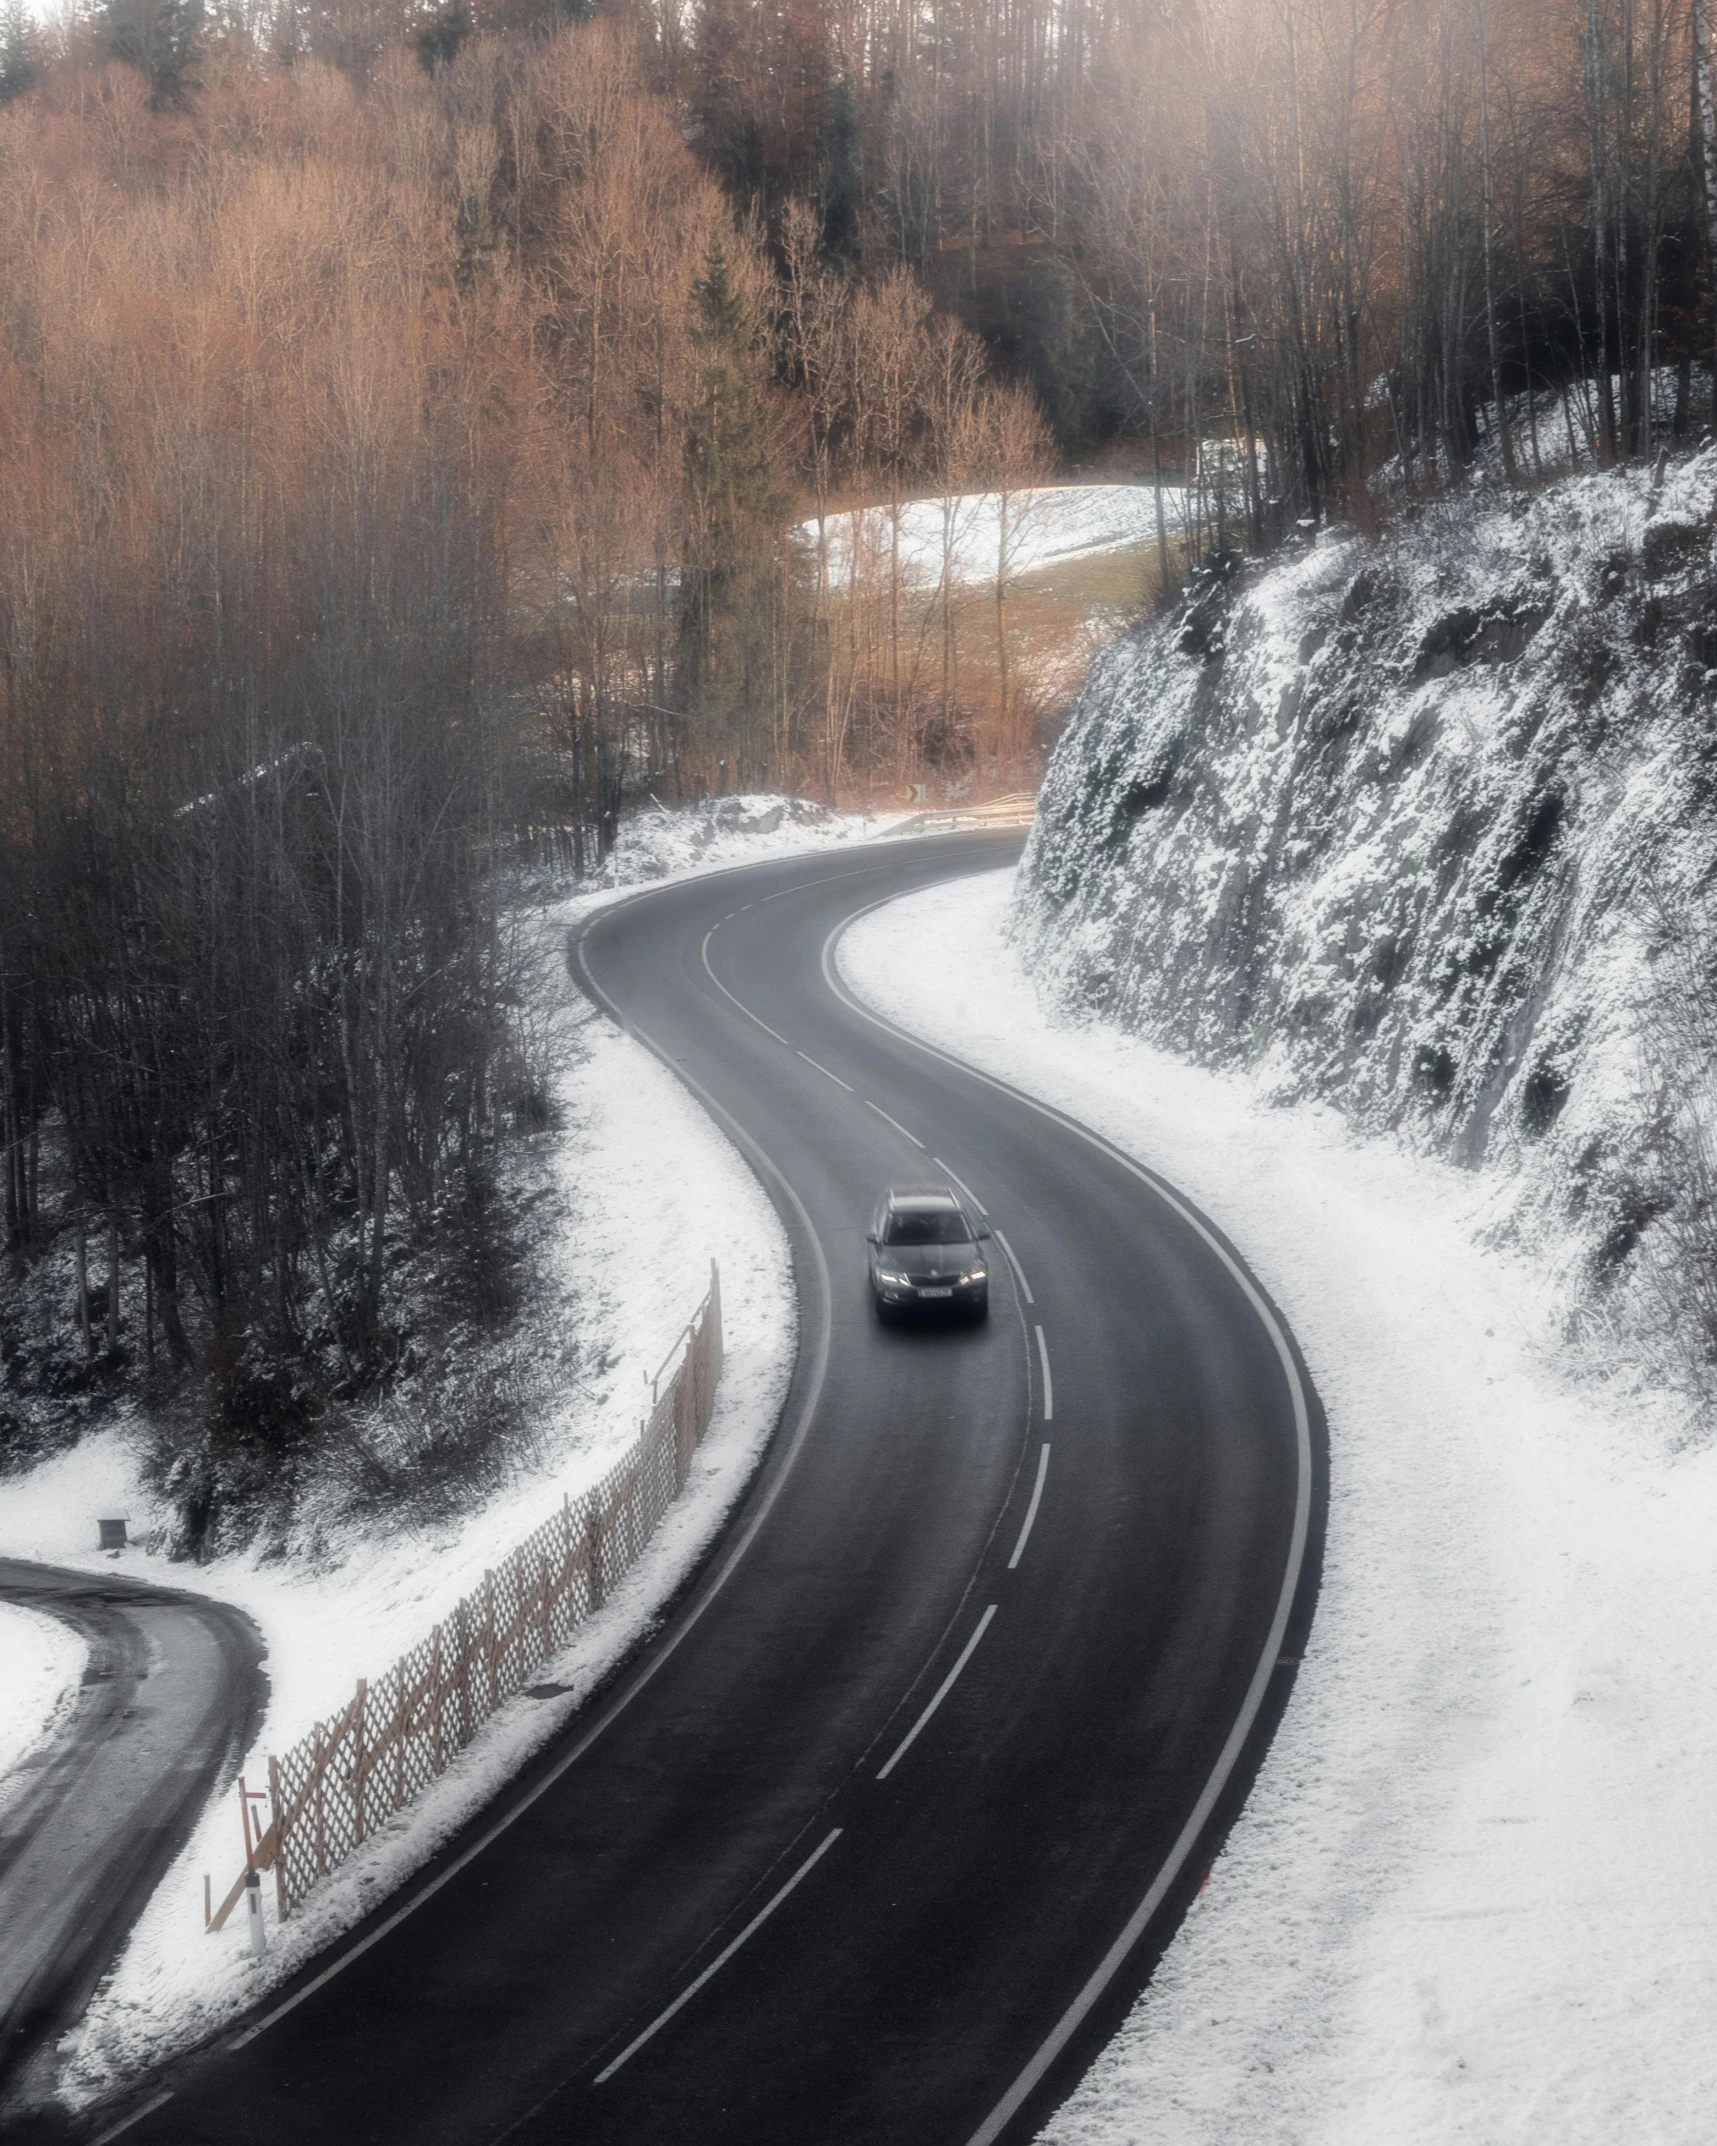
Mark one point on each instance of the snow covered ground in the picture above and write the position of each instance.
(1471, 1898)
(41, 1661)
(1046, 526)
(1553, 428)
(652, 1192)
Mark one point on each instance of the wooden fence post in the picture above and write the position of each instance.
(319, 1762)
(399, 1733)
(593, 1545)
(440, 1688)
(464, 1675)
(489, 1634)
(360, 1704)
(279, 1803)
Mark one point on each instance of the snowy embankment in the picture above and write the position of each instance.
(41, 1661)
(655, 843)
(1046, 525)
(1469, 1897)
(650, 1192)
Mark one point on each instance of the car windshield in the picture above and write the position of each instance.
(927, 1225)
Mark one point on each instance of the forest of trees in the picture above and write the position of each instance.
(1321, 233)
(405, 416)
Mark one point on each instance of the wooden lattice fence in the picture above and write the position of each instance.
(331, 1791)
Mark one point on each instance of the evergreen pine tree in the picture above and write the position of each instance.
(735, 508)
(162, 39)
(839, 188)
(22, 63)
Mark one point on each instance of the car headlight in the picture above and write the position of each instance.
(976, 1274)
(891, 1280)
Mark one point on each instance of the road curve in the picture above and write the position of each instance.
(171, 1696)
(881, 1834)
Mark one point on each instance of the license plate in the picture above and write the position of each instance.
(935, 1292)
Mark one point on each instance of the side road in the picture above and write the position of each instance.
(171, 1698)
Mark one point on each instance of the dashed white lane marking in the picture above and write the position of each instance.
(895, 1122)
(971, 1197)
(1019, 1271)
(942, 1690)
(155, 2101)
(827, 1075)
(721, 1959)
(804, 886)
(1048, 1388)
(727, 994)
(1031, 1509)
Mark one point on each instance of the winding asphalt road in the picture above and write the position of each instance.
(882, 1833)
(170, 1699)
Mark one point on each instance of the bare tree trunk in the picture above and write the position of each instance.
(1165, 580)
(83, 1290)
(1503, 433)
(1596, 102)
(1705, 144)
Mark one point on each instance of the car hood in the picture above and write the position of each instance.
(927, 1262)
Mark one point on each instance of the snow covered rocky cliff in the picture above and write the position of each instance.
(1427, 828)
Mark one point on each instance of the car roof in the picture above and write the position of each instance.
(922, 1196)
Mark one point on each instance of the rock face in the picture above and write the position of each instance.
(1427, 828)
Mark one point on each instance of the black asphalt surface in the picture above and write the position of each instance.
(759, 1893)
(170, 1698)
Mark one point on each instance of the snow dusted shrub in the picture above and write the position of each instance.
(1427, 827)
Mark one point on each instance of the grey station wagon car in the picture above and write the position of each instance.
(925, 1255)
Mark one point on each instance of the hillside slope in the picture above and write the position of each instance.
(1427, 828)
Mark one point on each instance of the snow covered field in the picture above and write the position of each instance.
(652, 1192)
(1471, 1898)
(41, 1661)
(1046, 527)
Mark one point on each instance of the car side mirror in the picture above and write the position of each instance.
(870, 1237)
(984, 1231)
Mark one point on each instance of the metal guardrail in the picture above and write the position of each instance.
(333, 1788)
(1016, 811)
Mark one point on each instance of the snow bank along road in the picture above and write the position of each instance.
(881, 1835)
(171, 1696)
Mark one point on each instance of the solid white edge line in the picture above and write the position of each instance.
(721, 1959)
(1227, 1759)
(727, 994)
(977, 1205)
(724, 1571)
(895, 1122)
(113, 2131)
(1019, 1271)
(824, 1071)
(1031, 1509)
(942, 1690)
(1048, 1388)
